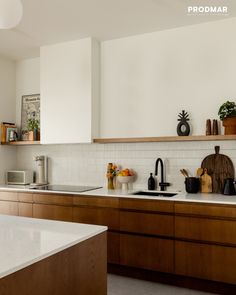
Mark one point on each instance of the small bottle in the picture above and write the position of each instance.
(151, 182)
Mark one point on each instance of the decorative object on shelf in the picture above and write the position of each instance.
(215, 130)
(208, 127)
(219, 167)
(111, 174)
(183, 128)
(125, 177)
(227, 114)
(30, 109)
(11, 12)
(206, 182)
(5, 131)
(12, 134)
(33, 129)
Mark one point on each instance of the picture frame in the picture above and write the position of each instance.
(30, 109)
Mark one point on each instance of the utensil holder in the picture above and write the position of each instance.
(192, 185)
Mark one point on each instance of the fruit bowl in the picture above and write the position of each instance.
(125, 180)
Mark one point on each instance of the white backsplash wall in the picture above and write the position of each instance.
(85, 164)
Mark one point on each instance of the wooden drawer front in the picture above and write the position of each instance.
(53, 199)
(26, 198)
(147, 253)
(210, 210)
(52, 212)
(96, 201)
(8, 208)
(202, 229)
(113, 247)
(147, 205)
(210, 262)
(99, 216)
(147, 223)
(8, 196)
(26, 209)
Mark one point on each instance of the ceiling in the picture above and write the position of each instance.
(51, 21)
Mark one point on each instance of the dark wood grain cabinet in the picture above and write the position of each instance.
(147, 234)
(205, 241)
(182, 238)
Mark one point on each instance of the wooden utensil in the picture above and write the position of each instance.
(199, 172)
(184, 172)
(219, 167)
(206, 182)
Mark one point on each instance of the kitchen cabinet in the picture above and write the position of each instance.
(53, 212)
(69, 86)
(147, 233)
(205, 243)
(100, 211)
(147, 252)
(8, 208)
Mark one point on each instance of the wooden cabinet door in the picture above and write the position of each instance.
(8, 208)
(113, 247)
(147, 223)
(52, 212)
(204, 261)
(98, 216)
(8, 196)
(26, 209)
(147, 252)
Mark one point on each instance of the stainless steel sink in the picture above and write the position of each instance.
(155, 194)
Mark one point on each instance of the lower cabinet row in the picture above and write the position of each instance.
(194, 259)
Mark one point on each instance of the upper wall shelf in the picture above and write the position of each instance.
(21, 142)
(166, 139)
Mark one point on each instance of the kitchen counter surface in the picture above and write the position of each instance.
(25, 241)
(181, 196)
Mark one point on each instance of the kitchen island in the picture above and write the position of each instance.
(51, 257)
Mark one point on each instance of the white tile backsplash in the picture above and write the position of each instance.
(85, 164)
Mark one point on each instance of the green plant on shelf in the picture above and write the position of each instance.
(227, 109)
(32, 124)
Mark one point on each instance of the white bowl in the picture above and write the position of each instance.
(124, 180)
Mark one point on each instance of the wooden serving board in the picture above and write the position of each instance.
(219, 167)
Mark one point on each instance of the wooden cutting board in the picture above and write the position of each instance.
(219, 167)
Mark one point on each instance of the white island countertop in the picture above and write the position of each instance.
(24, 241)
(103, 192)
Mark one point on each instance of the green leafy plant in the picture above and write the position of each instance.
(228, 109)
(32, 124)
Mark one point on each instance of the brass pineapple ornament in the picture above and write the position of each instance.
(183, 128)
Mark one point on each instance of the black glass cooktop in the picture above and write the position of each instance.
(66, 188)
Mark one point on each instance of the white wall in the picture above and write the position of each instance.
(148, 79)
(27, 82)
(192, 68)
(7, 112)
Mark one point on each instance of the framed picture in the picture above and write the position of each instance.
(30, 109)
(11, 134)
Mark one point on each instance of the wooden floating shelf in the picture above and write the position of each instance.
(166, 139)
(23, 142)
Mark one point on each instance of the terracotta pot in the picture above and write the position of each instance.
(31, 135)
(230, 125)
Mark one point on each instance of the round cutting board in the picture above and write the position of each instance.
(219, 167)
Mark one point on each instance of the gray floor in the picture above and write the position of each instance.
(118, 285)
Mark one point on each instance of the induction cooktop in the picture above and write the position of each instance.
(66, 188)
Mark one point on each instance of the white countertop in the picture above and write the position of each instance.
(24, 241)
(181, 196)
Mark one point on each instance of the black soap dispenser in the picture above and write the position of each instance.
(151, 183)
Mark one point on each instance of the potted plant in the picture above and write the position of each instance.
(227, 113)
(33, 128)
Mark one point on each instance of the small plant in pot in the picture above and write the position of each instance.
(227, 113)
(33, 128)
